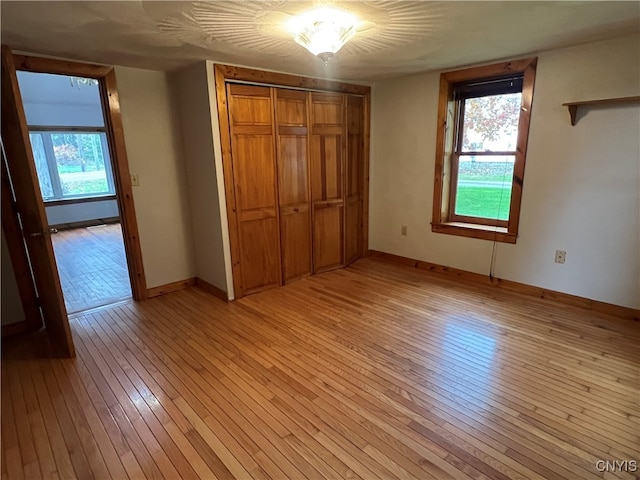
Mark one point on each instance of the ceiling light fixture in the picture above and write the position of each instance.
(78, 81)
(323, 31)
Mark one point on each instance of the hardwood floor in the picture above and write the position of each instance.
(92, 266)
(376, 371)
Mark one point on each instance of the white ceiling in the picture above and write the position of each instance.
(403, 36)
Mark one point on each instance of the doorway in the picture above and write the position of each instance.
(25, 222)
(67, 132)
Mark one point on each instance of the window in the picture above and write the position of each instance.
(71, 163)
(483, 125)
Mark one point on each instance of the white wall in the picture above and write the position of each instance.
(150, 117)
(201, 145)
(11, 306)
(81, 212)
(581, 187)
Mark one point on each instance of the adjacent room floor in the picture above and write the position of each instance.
(92, 266)
(375, 371)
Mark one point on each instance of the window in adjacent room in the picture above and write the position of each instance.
(71, 164)
(68, 137)
(483, 125)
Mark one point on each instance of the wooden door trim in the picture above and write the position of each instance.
(21, 172)
(229, 182)
(345, 175)
(365, 181)
(115, 136)
(275, 146)
(278, 79)
(224, 74)
(312, 209)
(122, 181)
(29, 63)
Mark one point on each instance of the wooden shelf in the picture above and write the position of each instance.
(573, 106)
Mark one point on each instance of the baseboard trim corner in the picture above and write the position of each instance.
(170, 287)
(212, 289)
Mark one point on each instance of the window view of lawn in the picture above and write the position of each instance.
(484, 202)
(71, 164)
(484, 188)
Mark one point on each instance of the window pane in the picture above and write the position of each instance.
(484, 186)
(44, 178)
(491, 123)
(81, 163)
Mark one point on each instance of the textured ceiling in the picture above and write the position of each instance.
(397, 37)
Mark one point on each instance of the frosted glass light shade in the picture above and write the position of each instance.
(324, 31)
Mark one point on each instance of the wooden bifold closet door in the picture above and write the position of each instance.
(327, 179)
(254, 176)
(293, 183)
(354, 179)
(297, 167)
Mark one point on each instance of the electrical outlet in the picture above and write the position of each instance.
(135, 180)
(560, 256)
(403, 230)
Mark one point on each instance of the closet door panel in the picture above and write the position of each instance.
(254, 177)
(292, 107)
(293, 183)
(355, 178)
(292, 170)
(327, 245)
(253, 169)
(353, 231)
(296, 242)
(327, 110)
(327, 179)
(260, 254)
(326, 167)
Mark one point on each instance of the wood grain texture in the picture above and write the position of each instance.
(170, 287)
(516, 287)
(122, 180)
(251, 122)
(287, 80)
(115, 136)
(374, 371)
(21, 173)
(308, 119)
(229, 186)
(212, 289)
(60, 67)
(450, 113)
(92, 266)
(365, 172)
(573, 106)
(293, 182)
(354, 179)
(327, 145)
(521, 146)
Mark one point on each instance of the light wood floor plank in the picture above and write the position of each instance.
(374, 371)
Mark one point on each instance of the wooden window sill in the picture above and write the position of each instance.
(471, 230)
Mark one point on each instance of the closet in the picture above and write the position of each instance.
(295, 175)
